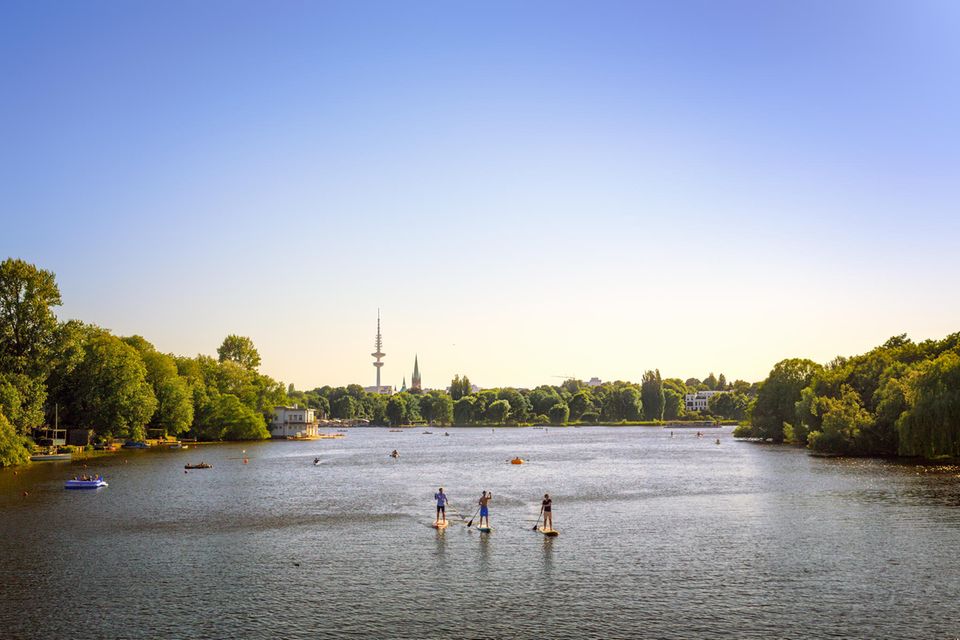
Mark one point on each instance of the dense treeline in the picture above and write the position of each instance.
(81, 375)
(901, 398)
(653, 399)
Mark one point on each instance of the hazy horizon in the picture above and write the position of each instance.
(525, 191)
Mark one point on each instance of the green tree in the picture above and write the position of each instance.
(397, 409)
(14, 448)
(631, 404)
(580, 404)
(559, 413)
(498, 411)
(931, 425)
(343, 408)
(322, 405)
(844, 418)
(463, 410)
(239, 349)
(441, 407)
(27, 323)
(236, 421)
(573, 386)
(519, 405)
(174, 413)
(66, 354)
(722, 383)
(544, 397)
(112, 395)
(651, 393)
(710, 381)
(730, 404)
(672, 403)
(21, 399)
(460, 387)
(776, 401)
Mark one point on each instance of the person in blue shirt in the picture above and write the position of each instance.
(441, 499)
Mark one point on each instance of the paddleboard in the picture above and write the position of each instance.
(440, 524)
(550, 533)
(484, 529)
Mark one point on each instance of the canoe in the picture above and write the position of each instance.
(85, 484)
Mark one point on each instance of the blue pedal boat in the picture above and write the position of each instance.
(95, 483)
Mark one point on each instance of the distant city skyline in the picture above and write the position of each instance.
(527, 190)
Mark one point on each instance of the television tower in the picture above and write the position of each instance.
(378, 345)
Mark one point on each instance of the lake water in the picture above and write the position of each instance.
(660, 538)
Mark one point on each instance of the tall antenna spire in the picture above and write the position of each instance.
(378, 354)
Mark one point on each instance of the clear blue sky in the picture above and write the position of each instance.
(526, 189)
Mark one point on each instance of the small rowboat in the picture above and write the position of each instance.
(202, 465)
(85, 484)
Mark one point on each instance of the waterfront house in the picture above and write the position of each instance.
(294, 422)
(700, 400)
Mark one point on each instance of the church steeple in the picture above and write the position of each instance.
(415, 381)
(404, 387)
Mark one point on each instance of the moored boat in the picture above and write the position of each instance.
(202, 465)
(50, 457)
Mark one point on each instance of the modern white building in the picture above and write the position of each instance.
(383, 390)
(700, 400)
(293, 422)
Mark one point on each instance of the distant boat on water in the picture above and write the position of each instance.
(92, 483)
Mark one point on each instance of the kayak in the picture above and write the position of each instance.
(85, 484)
(550, 533)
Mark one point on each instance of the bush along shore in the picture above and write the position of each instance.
(901, 399)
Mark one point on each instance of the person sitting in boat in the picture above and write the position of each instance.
(316, 461)
(395, 454)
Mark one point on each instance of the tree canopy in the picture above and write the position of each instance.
(239, 349)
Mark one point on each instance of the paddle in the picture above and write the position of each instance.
(470, 524)
(538, 519)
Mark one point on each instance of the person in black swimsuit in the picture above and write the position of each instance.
(547, 505)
